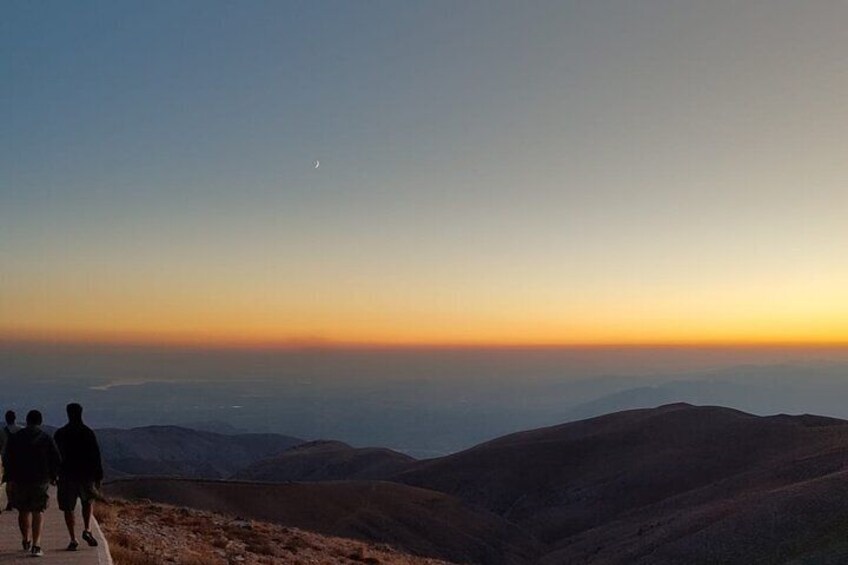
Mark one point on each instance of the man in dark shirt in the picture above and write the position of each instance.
(80, 474)
(32, 463)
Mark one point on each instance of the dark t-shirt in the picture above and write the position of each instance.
(31, 457)
(80, 453)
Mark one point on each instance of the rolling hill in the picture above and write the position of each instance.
(327, 461)
(675, 484)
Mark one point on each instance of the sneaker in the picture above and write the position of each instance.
(89, 539)
(73, 545)
(26, 544)
(36, 551)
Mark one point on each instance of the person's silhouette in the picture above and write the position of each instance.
(7, 431)
(32, 463)
(80, 473)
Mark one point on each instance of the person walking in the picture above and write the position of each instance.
(32, 463)
(7, 431)
(79, 474)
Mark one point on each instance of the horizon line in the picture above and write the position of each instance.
(328, 344)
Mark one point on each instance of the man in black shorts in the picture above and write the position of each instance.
(80, 473)
(32, 463)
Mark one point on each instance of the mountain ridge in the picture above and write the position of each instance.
(666, 485)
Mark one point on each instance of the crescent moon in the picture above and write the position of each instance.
(317, 163)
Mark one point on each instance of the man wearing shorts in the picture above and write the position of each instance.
(79, 475)
(32, 463)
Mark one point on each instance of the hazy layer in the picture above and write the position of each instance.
(423, 401)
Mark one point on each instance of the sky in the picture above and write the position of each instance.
(492, 173)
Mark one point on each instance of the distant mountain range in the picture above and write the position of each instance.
(174, 451)
(674, 484)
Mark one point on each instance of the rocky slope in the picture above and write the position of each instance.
(148, 534)
(414, 520)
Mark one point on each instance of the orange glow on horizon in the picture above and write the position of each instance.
(249, 313)
(234, 341)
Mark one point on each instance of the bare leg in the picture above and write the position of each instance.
(70, 522)
(24, 523)
(87, 509)
(36, 527)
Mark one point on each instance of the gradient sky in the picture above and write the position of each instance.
(491, 172)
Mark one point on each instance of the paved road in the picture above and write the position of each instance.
(54, 540)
